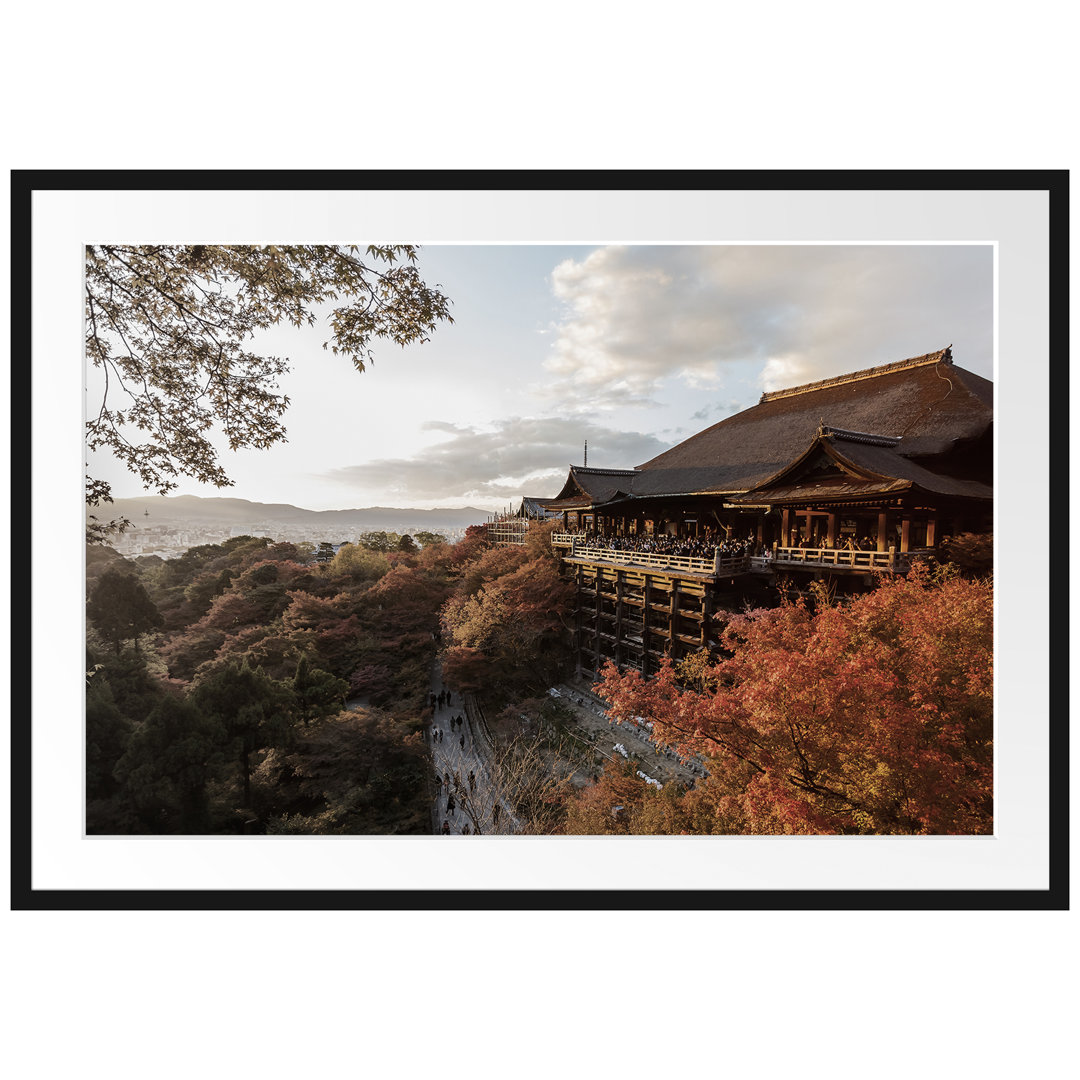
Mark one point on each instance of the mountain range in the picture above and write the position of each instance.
(196, 511)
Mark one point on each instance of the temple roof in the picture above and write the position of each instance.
(533, 508)
(923, 407)
(929, 402)
(844, 464)
(587, 487)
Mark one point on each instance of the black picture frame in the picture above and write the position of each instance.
(26, 704)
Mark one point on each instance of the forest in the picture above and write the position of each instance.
(218, 684)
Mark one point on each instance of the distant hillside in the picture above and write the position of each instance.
(192, 510)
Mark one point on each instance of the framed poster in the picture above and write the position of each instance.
(1016, 221)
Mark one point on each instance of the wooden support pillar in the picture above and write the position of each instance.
(931, 531)
(882, 530)
(905, 533)
(760, 528)
(619, 612)
(673, 617)
(831, 540)
(645, 627)
(597, 621)
(579, 619)
(785, 528)
(706, 615)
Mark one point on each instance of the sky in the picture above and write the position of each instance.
(632, 348)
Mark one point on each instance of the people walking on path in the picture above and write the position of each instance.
(462, 742)
(445, 827)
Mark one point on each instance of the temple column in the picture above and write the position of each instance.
(597, 621)
(645, 627)
(832, 531)
(905, 533)
(619, 609)
(931, 531)
(785, 528)
(578, 617)
(882, 530)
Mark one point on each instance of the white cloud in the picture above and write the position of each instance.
(783, 371)
(512, 457)
(637, 318)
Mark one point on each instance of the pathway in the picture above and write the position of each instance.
(457, 752)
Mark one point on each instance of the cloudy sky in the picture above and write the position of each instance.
(630, 348)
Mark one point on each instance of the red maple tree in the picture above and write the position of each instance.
(873, 715)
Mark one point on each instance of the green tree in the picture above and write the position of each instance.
(254, 712)
(166, 766)
(358, 562)
(107, 735)
(424, 538)
(167, 325)
(317, 692)
(356, 772)
(379, 541)
(121, 609)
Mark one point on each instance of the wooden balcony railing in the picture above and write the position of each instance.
(897, 562)
(692, 564)
(507, 532)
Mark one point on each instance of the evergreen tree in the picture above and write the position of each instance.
(317, 692)
(165, 769)
(121, 609)
(254, 712)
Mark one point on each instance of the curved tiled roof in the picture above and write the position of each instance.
(917, 408)
(863, 465)
(927, 401)
(586, 486)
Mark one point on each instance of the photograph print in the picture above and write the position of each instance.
(539, 539)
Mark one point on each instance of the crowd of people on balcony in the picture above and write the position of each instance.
(843, 543)
(696, 547)
(704, 547)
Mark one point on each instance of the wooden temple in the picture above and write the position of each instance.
(842, 478)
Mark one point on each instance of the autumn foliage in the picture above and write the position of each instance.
(873, 715)
(508, 620)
